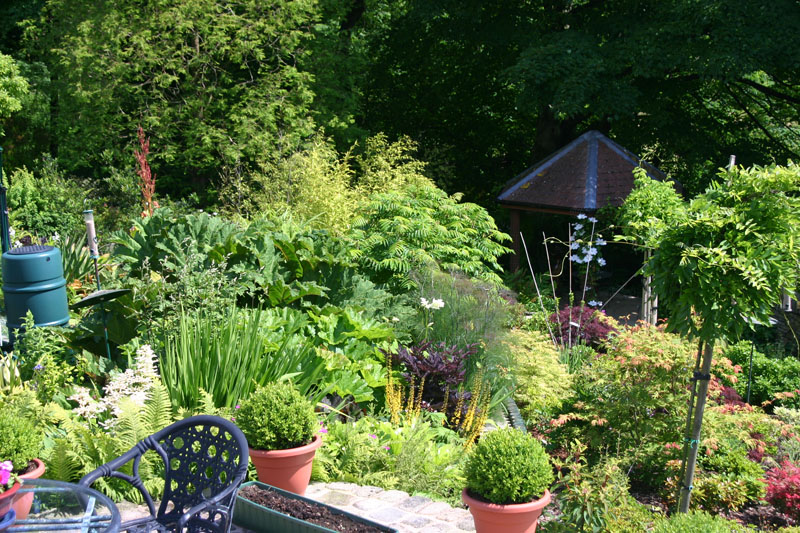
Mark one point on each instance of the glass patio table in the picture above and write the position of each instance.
(60, 506)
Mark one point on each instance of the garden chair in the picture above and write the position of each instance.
(205, 462)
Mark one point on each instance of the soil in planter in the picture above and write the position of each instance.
(316, 514)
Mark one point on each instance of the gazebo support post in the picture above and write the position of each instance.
(515, 245)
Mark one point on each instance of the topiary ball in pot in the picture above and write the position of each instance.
(279, 424)
(508, 474)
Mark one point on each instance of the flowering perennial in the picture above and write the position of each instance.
(5, 474)
(135, 383)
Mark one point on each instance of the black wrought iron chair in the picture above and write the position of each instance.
(205, 462)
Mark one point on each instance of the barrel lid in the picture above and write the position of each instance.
(27, 250)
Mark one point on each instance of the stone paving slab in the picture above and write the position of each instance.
(394, 508)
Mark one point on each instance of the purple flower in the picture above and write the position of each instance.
(233, 419)
(238, 406)
(38, 367)
(373, 436)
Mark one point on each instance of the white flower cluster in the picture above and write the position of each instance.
(134, 384)
(435, 303)
(585, 243)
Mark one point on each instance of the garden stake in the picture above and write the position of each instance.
(585, 282)
(536, 285)
(552, 283)
(750, 372)
(704, 376)
(91, 237)
(569, 247)
(686, 434)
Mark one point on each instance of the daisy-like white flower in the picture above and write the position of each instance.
(425, 303)
(578, 227)
(594, 303)
(575, 259)
(593, 220)
(581, 216)
(600, 242)
(575, 245)
(601, 261)
(437, 303)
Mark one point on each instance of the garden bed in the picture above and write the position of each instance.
(261, 507)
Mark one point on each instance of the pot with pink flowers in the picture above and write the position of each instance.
(9, 485)
(21, 442)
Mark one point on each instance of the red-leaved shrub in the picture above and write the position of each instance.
(783, 488)
(586, 323)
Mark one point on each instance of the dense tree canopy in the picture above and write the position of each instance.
(227, 90)
(491, 86)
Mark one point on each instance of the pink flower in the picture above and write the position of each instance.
(373, 436)
(386, 448)
(323, 430)
(5, 472)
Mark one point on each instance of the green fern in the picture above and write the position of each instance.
(61, 465)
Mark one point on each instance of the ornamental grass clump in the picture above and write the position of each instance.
(277, 417)
(508, 466)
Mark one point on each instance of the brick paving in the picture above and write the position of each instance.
(394, 508)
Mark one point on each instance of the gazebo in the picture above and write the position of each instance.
(589, 173)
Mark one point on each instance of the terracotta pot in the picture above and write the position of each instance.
(286, 469)
(513, 518)
(22, 502)
(6, 498)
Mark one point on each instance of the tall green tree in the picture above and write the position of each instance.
(723, 268)
(13, 88)
(488, 87)
(215, 85)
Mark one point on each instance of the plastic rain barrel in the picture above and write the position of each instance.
(33, 279)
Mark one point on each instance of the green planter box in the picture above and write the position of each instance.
(264, 520)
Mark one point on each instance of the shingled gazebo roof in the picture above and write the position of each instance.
(589, 173)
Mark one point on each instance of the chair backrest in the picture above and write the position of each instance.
(203, 456)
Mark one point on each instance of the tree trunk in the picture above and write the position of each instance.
(694, 442)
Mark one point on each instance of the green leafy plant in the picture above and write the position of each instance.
(732, 460)
(790, 416)
(729, 259)
(508, 466)
(631, 399)
(228, 356)
(576, 356)
(276, 417)
(44, 203)
(46, 359)
(80, 445)
(590, 497)
(399, 231)
(418, 455)
(695, 521)
(542, 382)
(20, 439)
(770, 376)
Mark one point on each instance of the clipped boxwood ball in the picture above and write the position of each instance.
(277, 417)
(508, 466)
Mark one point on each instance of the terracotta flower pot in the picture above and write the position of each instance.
(6, 498)
(513, 518)
(22, 502)
(286, 469)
